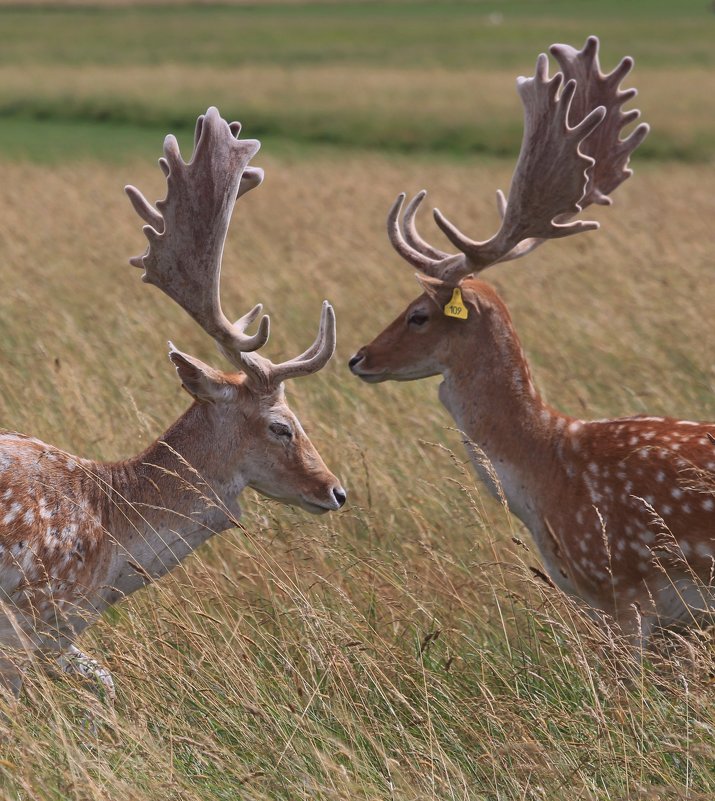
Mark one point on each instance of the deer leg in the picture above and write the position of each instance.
(637, 630)
(72, 660)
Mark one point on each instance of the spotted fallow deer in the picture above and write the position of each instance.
(618, 508)
(76, 535)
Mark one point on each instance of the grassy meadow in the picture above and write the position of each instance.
(402, 648)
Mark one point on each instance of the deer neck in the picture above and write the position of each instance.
(511, 434)
(168, 500)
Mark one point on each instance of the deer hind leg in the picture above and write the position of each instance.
(637, 630)
(72, 660)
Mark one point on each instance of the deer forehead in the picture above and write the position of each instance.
(271, 408)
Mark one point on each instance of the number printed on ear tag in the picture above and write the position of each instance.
(456, 307)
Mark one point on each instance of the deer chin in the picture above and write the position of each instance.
(405, 374)
(373, 378)
(298, 500)
(315, 508)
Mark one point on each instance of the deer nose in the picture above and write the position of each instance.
(356, 359)
(340, 496)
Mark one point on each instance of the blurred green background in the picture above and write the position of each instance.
(108, 79)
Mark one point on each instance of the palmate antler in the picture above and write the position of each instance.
(186, 233)
(560, 170)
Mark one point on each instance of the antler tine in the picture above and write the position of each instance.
(422, 262)
(433, 267)
(310, 361)
(251, 178)
(411, 234)
(611, 153)
(187, 230)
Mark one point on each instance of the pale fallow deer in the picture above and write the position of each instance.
(618, 508)
(76, 536)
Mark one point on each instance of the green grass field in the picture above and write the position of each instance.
(400, 76)
(402, 648)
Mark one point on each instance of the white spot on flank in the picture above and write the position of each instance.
(69, 532)
(575, 427)
(633, 441)
(660, 476)
(676, 492)
(642, 550)
(45, 513)
(29, 517)
(666, 510)
(7, 495)
(708, 504)
(12, 513)
(593, 468)
(703, 549)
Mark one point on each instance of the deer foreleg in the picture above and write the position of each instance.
(72, 660)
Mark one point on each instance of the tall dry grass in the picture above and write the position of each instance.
(402, 648)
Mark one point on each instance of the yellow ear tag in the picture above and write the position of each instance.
(456, 307)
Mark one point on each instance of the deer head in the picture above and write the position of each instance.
(255, 438)
(571, 156)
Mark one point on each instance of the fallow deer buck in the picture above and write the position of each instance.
(76, 536)
(614, 506)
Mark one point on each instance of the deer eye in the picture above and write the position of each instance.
(281, 430)
(417, 318)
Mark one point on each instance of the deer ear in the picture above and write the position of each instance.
(429, 283)
(430, 286)
(202, 382)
